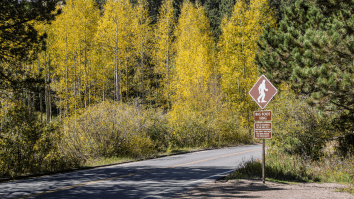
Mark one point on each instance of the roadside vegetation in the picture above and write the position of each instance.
(285, 168)
(123, 80)
(110, 132)
(302, 148)
(96, 82)
(310, 58)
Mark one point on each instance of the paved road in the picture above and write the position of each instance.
(156, 178)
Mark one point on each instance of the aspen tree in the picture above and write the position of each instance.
(73, 40)
(62, 54)
(44, 60)
(86, 18)
(193, 65)
(113, 34)
(163, 50)
(142, 36)
(237, 50)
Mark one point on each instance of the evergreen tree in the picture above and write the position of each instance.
(212, 12)
(313, 51)
(20, 41)
(225, 8)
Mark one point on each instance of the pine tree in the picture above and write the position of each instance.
(313, 51)
(20, 41)
(225, 8)
(212, 12)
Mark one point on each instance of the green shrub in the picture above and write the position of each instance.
(297, 127)
(29, 146)
(346, 145)
(116, 129)
(113, 129)
(206, 128)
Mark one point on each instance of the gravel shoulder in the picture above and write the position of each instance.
(254, 188)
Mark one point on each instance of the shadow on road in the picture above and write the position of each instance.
(238, 189)
(115, 182)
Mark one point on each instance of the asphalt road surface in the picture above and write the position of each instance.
(156, 178)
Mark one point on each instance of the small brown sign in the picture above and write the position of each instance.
(263, 130)
(262, 116)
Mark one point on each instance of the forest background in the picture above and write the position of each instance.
(136, 78)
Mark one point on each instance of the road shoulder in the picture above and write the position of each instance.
(254, 188)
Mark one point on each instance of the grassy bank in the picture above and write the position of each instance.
(281, 167)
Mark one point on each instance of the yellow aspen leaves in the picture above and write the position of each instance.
(119, 55)
(163, 51)
(142, 35)
(193, 63)
(74, 33)
(237, 49)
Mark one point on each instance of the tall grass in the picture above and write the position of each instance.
(285, 167)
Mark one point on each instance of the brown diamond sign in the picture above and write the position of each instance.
(263, 91)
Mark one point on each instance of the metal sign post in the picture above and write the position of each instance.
(263, 158)
(262, 93)
(263, 161)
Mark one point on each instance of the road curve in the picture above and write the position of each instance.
(156, 178)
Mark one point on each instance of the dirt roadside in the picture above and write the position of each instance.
(254, 188)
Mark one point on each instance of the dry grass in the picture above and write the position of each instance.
(330, 168)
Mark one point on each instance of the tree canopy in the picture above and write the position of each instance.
(313, 51)
(20, 41)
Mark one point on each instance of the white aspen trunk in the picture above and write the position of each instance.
(85, 69)
(66, 74)
(79, 74)
(103, 67)
(40, 95)
(75, 76)
(142, 74)
(126, 79)
(49, 93)
(46, 88)
(116, 66)
(119, 82)
(167, 64)
(33, 95)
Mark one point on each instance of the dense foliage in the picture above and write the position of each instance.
(19, 40)
(125, 78)
(313, 51)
